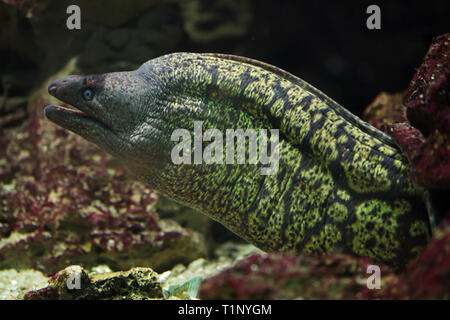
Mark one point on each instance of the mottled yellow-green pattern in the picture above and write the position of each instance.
(342, 185)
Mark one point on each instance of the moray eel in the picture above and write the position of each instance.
(341, 185)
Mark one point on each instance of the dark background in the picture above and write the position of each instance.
(324, 42)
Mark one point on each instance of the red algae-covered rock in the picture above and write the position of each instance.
(275, 276)
(63, 201)
(334, 276)
(421, 124)
(427, 102)
(429, 274)
(427, 277)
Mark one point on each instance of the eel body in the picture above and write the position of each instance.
(341, 185)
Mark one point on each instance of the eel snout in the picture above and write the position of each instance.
(70, 91)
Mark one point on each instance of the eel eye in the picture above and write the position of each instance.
(88, 94)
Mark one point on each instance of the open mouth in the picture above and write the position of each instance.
(69, 110)
(73, 119)
(52, 111)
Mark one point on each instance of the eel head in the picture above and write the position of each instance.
(114, 110)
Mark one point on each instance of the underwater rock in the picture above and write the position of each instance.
(12, 110)
(175, 283)
(15, 283)
(420, 123)
(12, 36)
(427, 277)
(118, 38)
(225, 255)
(119, 12)
(117, 49)
(428, 108)
(63, 201)
(335, 276)
(385, 110)
(426, 140)
(210, 21)
(275, 276)
(75, 283)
